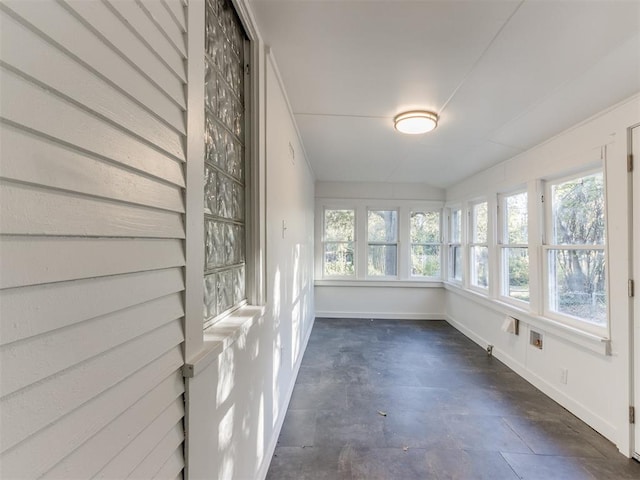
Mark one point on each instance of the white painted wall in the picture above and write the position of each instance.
(598, 387)
(238, 401)
(91, 198)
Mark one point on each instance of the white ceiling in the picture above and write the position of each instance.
(502, 75)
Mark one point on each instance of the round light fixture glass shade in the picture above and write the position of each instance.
(416, 122)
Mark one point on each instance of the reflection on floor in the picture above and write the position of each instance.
(404, 400)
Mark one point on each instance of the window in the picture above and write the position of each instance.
(224, 190)
(455, 244)
(514, 237)
(339, 236)
(575, 253)
(379, 243)
(382, 242)
(478, 247)
(425, 244)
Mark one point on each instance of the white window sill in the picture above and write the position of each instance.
(380, 283)
(222, 335)
(590, 341)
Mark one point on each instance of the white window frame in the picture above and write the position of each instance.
(452, 245)
(438, 244)
(324, 242)
(503, 247)
(361, 207)
(370, 243)
(547, 248)
(471, 271)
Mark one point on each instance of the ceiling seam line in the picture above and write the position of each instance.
(475, 64)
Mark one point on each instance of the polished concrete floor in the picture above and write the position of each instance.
(404, 400)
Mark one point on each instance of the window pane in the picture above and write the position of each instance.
(456, 262)
(480, 266)
(577, 284)
(224, 172)
(383, 260)
(456, 226)
(383, 226)
(339, 225)
(578, 211)
(516, 261)
(425, 227)
(425, 260)
(338, 258)
(516, 219)
(479, 222)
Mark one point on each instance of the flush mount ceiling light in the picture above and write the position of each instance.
(415, 122)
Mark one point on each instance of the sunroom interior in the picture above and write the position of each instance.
(133, 130)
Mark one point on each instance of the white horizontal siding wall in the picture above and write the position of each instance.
(92, 238)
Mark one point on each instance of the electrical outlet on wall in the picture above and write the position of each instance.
(564, 375)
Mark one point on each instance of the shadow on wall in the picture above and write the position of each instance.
(254, 376)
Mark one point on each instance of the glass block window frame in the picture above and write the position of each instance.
(575, 251)
(225, 165)
(513, 243)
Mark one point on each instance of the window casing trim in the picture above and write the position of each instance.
(472, 244)
(361, 207)
(503, 245)
(546, 247)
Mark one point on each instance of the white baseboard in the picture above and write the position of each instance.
(378, 315)
(574, 406)
(266, 461)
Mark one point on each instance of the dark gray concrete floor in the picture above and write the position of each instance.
(404, 400)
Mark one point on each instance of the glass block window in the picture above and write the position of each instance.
(425, 244)
(224, 171)
(514, 232)
(575, 255)
(382, 238)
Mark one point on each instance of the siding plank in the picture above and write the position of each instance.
(139, 22)
(29, 210)
(176, 8)
(165, 23)
(114, 31)
(31, 311)
(60, 27)
(37, 358)
(37, 58)
(166, 447)
(30, 158)
(145, 422)
(173, 466)
(54, 443)
(31, 409)
(127, 459)
(37, 260)
(62, 120)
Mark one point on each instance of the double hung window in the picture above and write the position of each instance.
(575, 251)
(514, 246)
(425, 244)
(338, 242)
(478, 247)
(382, 243)
(455, 244)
